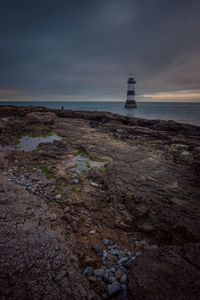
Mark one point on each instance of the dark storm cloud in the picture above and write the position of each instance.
(89, 47)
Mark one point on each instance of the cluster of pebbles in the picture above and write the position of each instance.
(114, 268)
(32, 184)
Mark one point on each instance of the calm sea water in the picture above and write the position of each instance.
(181, 112)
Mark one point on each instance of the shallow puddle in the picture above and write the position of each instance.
(4, 119)
(27, 143)
(82, 163)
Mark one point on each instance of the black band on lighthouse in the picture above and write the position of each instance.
(130, 93)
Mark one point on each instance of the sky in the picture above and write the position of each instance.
(86, 49)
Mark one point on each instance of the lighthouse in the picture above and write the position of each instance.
(130, 102)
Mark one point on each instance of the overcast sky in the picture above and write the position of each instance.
(86, 49)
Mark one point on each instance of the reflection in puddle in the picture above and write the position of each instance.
(82, 163)
(4, 119)
(27, 143)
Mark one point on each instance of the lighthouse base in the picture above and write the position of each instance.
(130, 104)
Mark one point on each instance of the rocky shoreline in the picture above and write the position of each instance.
(108, 211)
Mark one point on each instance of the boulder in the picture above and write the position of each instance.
(41, 117)
(166, 273)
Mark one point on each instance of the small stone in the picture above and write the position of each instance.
(115, 252)
(105, 254)
(72, 212)
(58, 196)
(123, 279)
(89, 271)
(106, 277)
(138, 253)
(92, 232)
(105, 242)
(114, 289)
(113, 270)
(75, 181)
(99, 272)
(53, 217)
(154, 246)
(104, 296)
(185, 153)
(123, 270)
(112, 279)
(122, 260)
(96, 249)
(94, 184)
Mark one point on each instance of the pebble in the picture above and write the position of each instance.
(138, 253)
(94, 184)
(75, 181)
(115, 252)
(105, 242)
(113, 270)
(58, 196)
(154, 246)
(104, 254)
(112, 279)
(96, 249)
(92, 232)
(122, 260)
(123, 279)
(123, 270)
(114, 289)
(99, 272)
(185, 153)
(72, 212)
(89, 271)
(106, 277)
(104, 296)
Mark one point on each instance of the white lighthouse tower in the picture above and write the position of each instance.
(130, 102)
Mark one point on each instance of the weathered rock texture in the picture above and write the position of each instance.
(36, 261)
(168, 273)
(149, 191)
(41, 118)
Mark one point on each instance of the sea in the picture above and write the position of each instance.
(183, 112)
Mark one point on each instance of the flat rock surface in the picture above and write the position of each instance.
(168, 273)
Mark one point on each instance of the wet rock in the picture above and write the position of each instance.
(114, 289)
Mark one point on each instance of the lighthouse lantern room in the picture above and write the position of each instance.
(130, 102)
